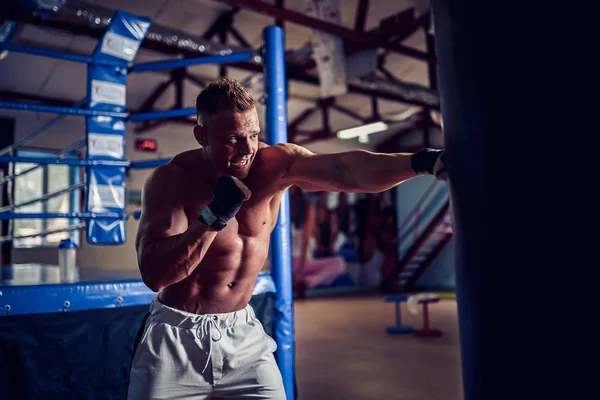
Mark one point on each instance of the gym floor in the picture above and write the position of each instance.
(343, 351)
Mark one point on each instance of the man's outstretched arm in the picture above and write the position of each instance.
(357, 170)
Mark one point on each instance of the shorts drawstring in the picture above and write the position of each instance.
(204, 328)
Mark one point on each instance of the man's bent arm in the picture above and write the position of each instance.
(168, 249)
(352, 171)
(166, 261)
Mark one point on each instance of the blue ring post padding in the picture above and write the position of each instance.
(281, 252)
(149, 163)
(49, 298)
(264, 284)
(106, 138)
(25, 106)
(72, 215)
(93, 294)
(155, 115)
(62, 161)
(17, 48)
(185, 62)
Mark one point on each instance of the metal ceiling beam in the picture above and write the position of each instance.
(360, 17)
(395, 29)
(333, 29)
(320, 134)
(398, 92)
(90, 21)
(398, 27)
(432, 70)
(222, 23)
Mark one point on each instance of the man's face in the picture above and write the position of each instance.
(232, 141)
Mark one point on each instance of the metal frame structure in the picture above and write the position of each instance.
(87, 20)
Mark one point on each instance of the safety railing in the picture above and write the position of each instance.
(413, 225)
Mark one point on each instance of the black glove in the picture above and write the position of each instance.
(423, 160)
(229, 194)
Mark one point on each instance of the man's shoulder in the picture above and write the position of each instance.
(275, 161)
(281, 151)
(166, 175)
(187, 159)
(176, 170)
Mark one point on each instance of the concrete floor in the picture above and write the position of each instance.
(343, 351)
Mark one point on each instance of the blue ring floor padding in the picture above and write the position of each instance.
(84, 353)
(36, 288)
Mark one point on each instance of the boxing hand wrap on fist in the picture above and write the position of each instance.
(229, 194)
(429, 161)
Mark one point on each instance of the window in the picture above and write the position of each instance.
(35, 182)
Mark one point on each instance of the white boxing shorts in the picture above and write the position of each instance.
(182, 355)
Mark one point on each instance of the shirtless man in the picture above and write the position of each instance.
(203, 238)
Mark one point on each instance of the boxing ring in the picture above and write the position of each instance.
(75, 339)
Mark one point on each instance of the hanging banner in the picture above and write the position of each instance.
(328, 50)
(106, 135)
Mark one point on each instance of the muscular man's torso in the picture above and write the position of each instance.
(225, 278)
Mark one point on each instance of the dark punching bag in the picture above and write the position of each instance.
(489, 86)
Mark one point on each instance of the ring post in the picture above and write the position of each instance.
(281, 255)
(106, 135)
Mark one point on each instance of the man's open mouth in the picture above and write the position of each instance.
(240, 162)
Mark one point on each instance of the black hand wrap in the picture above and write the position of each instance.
(228, 198)
(423, 160)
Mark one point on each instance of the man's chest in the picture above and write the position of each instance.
(256, 216)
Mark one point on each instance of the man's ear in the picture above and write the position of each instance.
(200, 135)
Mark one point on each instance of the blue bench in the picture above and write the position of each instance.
(398, 328)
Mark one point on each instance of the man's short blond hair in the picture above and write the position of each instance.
(224, 94)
